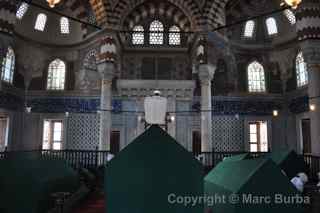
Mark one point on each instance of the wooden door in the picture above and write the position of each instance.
(115, 142)
(306, 135)
(196, 143)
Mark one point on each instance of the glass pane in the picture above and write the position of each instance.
(46, 145)
(64, 25)
(290, 16)
(57, 146)
(256, 78)
(253, 128)
(174, 36)
(249, 29)
(40, 22)
(263, 137)
(138, 35)
(272, 26)
(253, 147)
(253, 138)
(57, 131)
(22, 10)
(8, 65)
(90, 61)
(46, 131)
(301, 71)
(56, 75)
(156, 38)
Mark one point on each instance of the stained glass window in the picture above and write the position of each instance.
(22, 10)
(249, 29)
(56, 75)
(290, 16)
(256, 77)
(174, 36)
(138, 35)
(64, 25)
(301, 70)
(272, 26)
(40, 22)
(8, 65)
(156, 37)
(90, 61)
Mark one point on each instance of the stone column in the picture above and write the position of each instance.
(106, 70)
(206, 73)
(311, 54)
(172, 124)
(308, 31)
(140, 123)
(314, 94)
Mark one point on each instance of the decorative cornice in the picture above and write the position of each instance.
(308, 13)
(309, 32)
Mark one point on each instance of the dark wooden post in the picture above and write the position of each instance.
(96, 157)
(213, 159)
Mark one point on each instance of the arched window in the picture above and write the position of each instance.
(90, 61)
(56, 75)
(174, 36)
(138, 35)
(40, 22)
(249, 29)
(290, 16)
(157, 37)
(272, 26)
(8, 64)
(301, 70)
(64, 25)
(22, 10)
(256, 78)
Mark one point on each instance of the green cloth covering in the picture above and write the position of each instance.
(259, 177)
(26, 184)
(289, 162)
(142, 176)
(245, 156)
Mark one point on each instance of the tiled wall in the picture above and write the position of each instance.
(83, 131)
(228, 133)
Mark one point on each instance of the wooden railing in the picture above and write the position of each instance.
(95, 158)
(313, 165)
(74, 158)
(79, 158)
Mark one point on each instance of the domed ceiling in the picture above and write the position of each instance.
(55, 30)
(111, 13)
(262, 31)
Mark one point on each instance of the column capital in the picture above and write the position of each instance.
(206, 72)
(106, 70)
